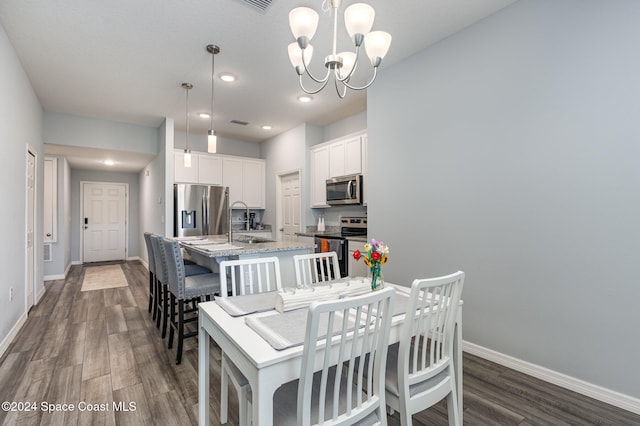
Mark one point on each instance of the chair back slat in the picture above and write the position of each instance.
(316, 268)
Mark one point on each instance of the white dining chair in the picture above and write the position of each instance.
(340, 393)
(420, 370)
(316, 268)
(244, 276)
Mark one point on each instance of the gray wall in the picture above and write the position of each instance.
(65, 129)
(515, 144)
(227, 146)
(20, 128)
(133, 227)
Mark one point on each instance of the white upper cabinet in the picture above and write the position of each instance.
(253, 183)
(345, 157)
(210, 169)
(244, 176)
(340, 157)
(365, 167)
(319, 175)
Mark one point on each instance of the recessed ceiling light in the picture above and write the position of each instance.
(227, 77)
(109, 162)
(304, 98)
(267, 127)
(204, 115)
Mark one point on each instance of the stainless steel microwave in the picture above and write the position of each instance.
(344, 190)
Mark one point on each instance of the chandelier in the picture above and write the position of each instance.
(358, 20)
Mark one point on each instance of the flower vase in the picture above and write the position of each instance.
(376, 277)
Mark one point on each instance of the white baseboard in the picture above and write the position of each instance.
(12, 334)
(608, 396)
(55, 277)
(133, 258)
(41, 293)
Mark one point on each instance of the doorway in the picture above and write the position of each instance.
(31, 214)
(289, 205)
(104, 221)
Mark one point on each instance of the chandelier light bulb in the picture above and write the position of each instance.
(377, 44)
(303, 22)
(295, 56)
(348, 62)
(212, 141)
(187, 158)
(358, 18)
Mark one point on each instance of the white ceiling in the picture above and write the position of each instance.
(125, 60)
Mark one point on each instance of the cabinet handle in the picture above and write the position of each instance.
(48, 234)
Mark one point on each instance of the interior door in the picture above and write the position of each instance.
(290, 184)
(104, 221)
(31, 173)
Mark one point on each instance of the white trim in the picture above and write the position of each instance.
(133, 258)
(600, 393)
(41, 293)
(279, 215)
(12, 333)
(54, 277)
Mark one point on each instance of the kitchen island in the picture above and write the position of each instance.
(210, 250)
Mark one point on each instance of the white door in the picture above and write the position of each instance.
(31, 191)
(104, 221)
(290, 202)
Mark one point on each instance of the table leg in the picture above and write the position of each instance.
(262, 401)
(203, 374)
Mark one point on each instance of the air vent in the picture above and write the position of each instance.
(47, 253)
(240, 122)
(259, 5)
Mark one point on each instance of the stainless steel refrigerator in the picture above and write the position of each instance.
(200, 210)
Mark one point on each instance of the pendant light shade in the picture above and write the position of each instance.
(187, 151)
(212, 139)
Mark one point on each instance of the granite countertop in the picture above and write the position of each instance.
(218, 246)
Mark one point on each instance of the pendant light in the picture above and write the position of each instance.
(187, 151)
(212, 140)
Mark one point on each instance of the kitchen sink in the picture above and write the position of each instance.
(251, 239)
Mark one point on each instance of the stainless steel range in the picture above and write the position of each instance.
(350, 228)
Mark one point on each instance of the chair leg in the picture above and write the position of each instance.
(180, 331)
(224, 392)
(155, 298)
(160, 289)
(151, 285)
(165, 311)
(172, 320)
(452, 404)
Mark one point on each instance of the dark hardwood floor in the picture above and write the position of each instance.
(101, 347)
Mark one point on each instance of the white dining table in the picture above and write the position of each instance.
(267, 368)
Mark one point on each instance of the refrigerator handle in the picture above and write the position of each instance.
(205, 214)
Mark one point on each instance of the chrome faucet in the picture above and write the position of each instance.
(231, 217)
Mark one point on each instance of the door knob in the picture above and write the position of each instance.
(48, 234)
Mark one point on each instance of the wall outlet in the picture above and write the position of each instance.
(11, 294)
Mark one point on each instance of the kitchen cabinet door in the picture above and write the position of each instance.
(232, 177)
(182, 174)
(253, 183)
(210, 169)
(353, 156)
(365, 166)
(336, 159)
(319, 176)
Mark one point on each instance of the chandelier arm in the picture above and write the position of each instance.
(353, 69)
(306, 70)
(313, 92)
(375, 73)
(344, 92)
